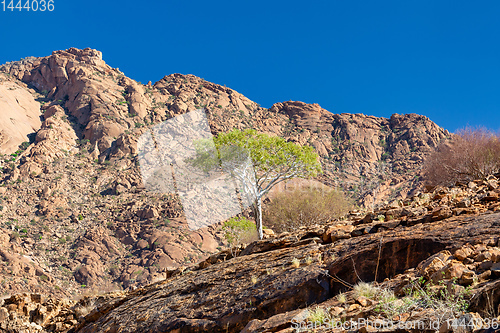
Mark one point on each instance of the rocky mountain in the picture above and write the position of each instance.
(370, 156)
(75, 217)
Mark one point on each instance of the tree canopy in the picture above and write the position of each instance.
(257, 161)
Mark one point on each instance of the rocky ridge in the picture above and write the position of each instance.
(375, 158)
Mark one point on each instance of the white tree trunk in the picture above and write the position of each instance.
(258, 217)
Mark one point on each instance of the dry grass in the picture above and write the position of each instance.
(318, 316)
(341, 298)
(443, 304)
(84, 307)
(366, 290)
(295, 263)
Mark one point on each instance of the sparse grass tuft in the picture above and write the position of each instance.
(341, 298)
(366, 290)
(318, 316)
(418, 296)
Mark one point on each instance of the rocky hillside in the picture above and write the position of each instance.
(446, 238)
(367, 155)
(376, 159)
(74, 215)
(429, 258)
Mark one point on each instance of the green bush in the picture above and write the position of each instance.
(239, 230)
(304, 206)
(23, 146)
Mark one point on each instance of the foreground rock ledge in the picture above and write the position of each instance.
(224, 297)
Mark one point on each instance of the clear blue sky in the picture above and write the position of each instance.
(436, 58)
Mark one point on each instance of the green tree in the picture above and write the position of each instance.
(257, 162)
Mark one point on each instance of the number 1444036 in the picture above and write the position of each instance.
(28, 5)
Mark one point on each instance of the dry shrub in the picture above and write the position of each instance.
(304, 206)
(472, 154)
